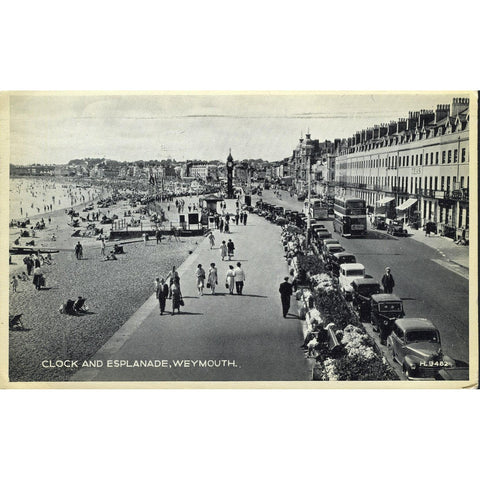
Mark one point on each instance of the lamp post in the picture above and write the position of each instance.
(308, 153)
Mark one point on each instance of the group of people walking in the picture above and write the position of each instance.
(164, 291)
(234, 279)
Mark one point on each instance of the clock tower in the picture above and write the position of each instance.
(230, 175)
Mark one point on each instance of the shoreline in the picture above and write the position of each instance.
(114, 291)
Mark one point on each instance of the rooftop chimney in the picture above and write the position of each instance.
(441, 112)
(458, 105)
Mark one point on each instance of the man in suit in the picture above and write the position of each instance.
(162, 294)
(387, 281)
(285, 294)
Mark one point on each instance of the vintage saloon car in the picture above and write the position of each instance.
(395, 227)
(363, 289)
(329, 250)
(338, 259)
(385, 308)
(348, 273)
(415, 344)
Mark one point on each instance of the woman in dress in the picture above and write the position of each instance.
(223, 250)
(200, 274)
(176, 297)
(211, 237)
(38, 279)
(212, 277)
(230, 280)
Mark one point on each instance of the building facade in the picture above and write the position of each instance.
(421, 163)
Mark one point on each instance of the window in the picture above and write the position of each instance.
(426, 159)
(430, 183)
(444, 156)
(436, 158)
(462, 179)
(436, 183)
(448, 184)
(455, 156)
(449, 156)
(442, 183)
(407, 161)
(416, 159)
(421, 158)
(463, 155)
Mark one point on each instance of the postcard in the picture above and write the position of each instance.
(239, 239)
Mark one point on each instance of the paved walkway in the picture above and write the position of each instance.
(240, 338)
(445, 246)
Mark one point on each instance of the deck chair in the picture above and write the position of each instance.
(15, 321)
(68, 307)
(79, 305)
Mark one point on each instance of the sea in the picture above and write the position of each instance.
(31, 196)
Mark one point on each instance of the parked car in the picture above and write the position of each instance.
(379, 222)
(395, 227)
(301, 197)
(338, 259)
(362, 291)
(348, 273)
(415, 344)
(329, 250)
(385, 308)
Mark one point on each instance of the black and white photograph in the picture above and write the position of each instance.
(299, 237)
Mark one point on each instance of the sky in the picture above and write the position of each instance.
(52, 128)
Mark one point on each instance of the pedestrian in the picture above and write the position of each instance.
(223, 250)
(14, 283)
(221, 224)
(227, 227)
(239, 275)
(230, 279)
(176, 295)
(162, 294)
(28, 261)
(285, 294)
(212, 280)
(211, 237)
(245, 218)
(387, 281)
(158, 236)
(38, 278)
(200, 274)
(78, 250)
(236, 218)
(103, 247)
(230, 248)
(174, 278)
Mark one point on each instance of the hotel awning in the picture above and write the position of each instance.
(385, 200)
(407, 204)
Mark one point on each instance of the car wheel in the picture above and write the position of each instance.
(406, 371)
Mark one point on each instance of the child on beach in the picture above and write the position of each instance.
(14, 283)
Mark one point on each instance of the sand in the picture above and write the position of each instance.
(114, 291)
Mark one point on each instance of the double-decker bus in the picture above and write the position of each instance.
(350, 216)
(317, 210)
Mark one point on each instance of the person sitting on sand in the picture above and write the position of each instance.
(111, 256)
(79, 306)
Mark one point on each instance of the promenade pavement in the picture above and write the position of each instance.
(246, 335)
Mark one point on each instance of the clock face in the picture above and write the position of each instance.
(229, 164)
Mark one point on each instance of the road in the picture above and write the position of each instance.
(427, 288)
(248, 330)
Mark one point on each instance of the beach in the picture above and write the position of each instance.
(114, 290)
